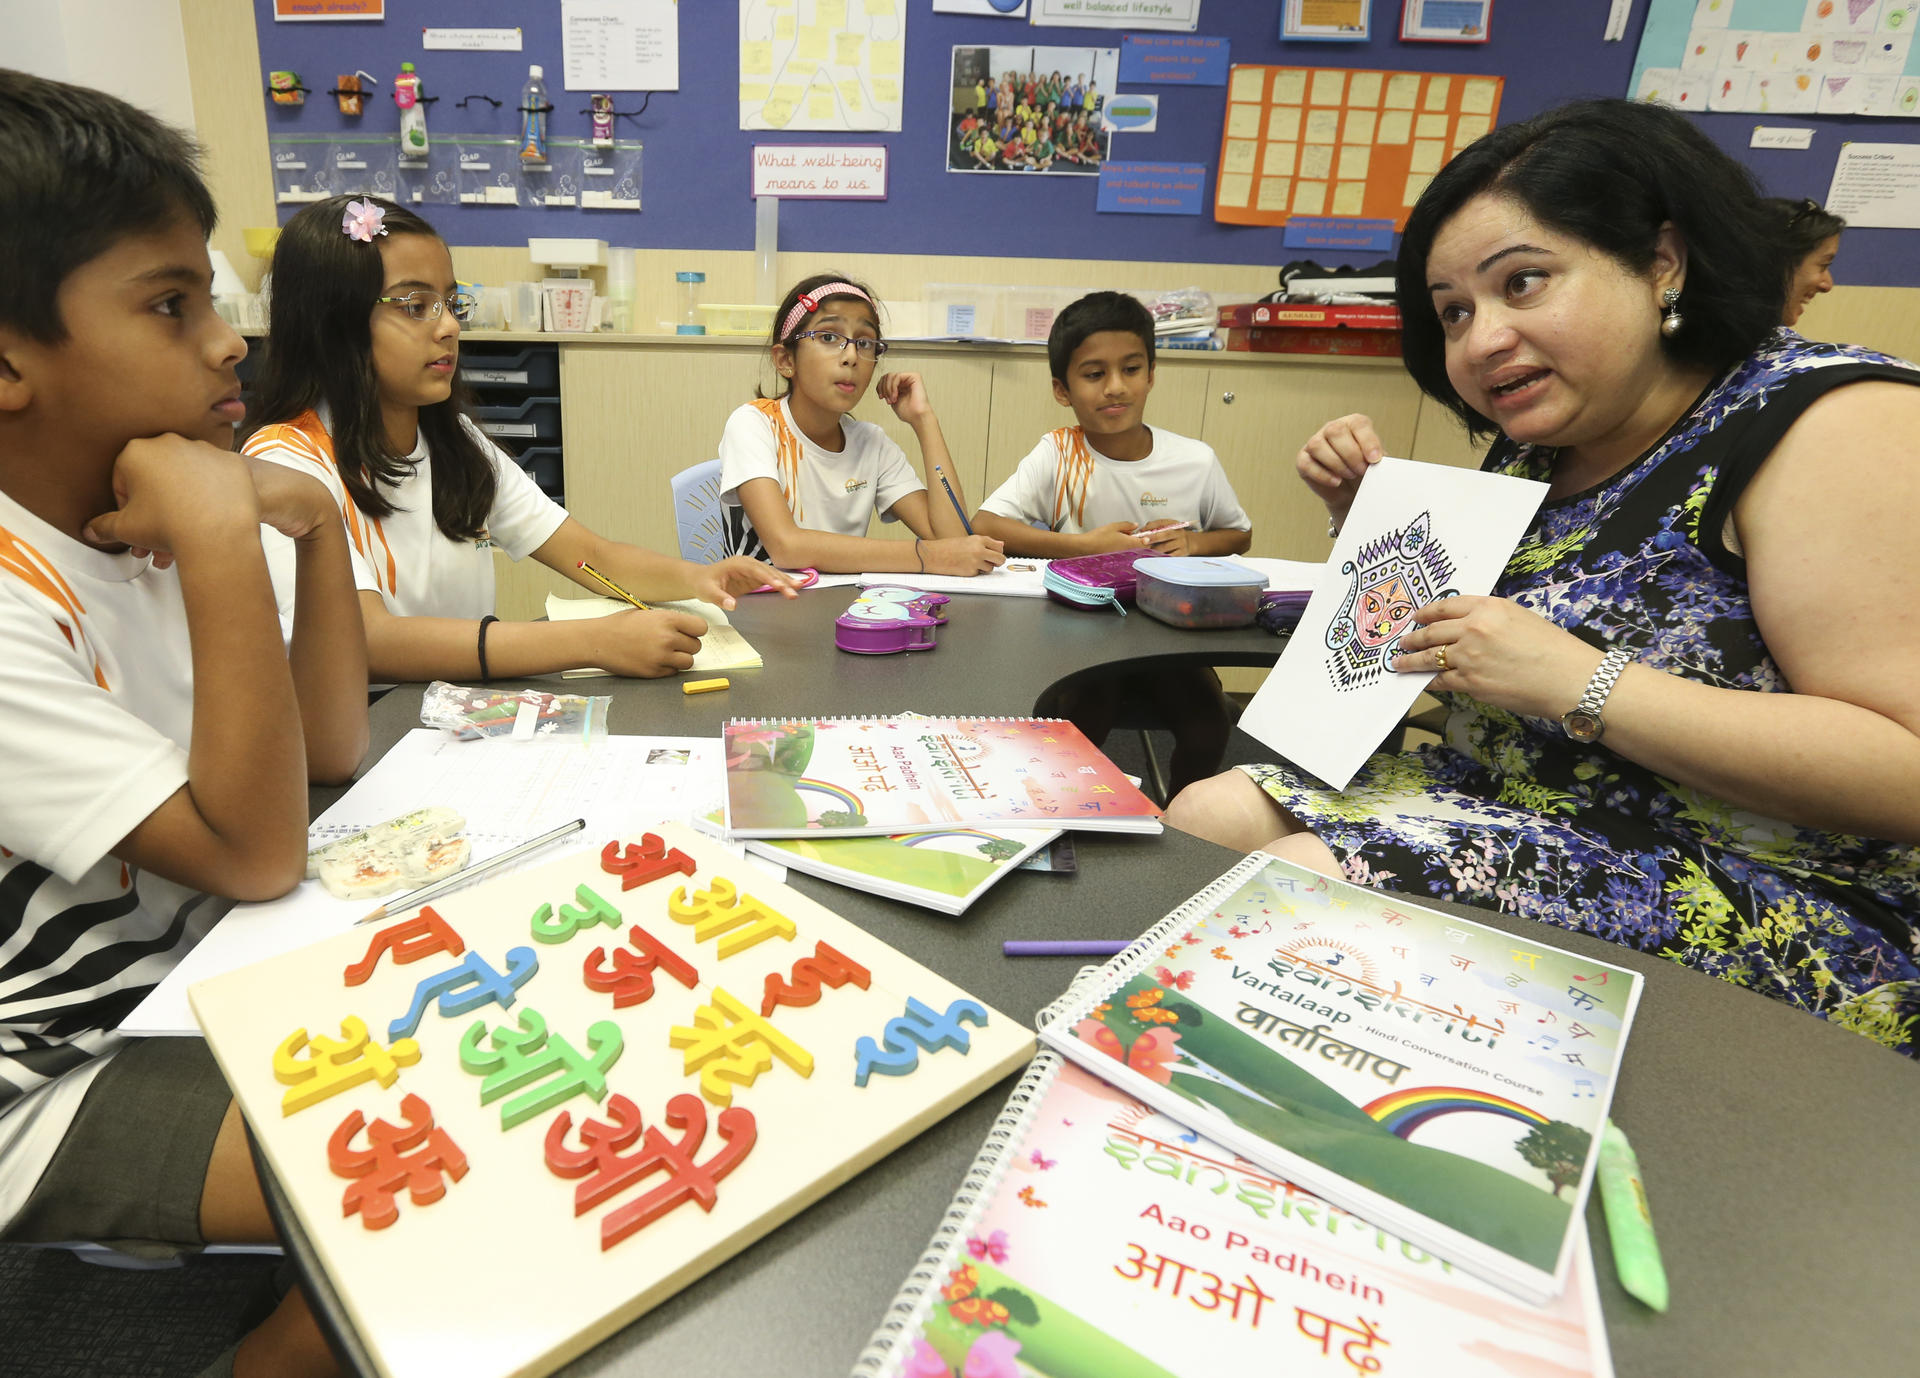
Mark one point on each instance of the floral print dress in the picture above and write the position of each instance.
(1511, 814)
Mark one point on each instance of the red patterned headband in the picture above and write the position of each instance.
(809, 302)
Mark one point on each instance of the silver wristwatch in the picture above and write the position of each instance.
(1584, 723)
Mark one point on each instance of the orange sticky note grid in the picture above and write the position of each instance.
(1382, 134)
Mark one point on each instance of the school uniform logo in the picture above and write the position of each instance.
(854, 485)
(484, 541)
(1149, 500)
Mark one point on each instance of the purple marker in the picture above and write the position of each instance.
(1065, 947)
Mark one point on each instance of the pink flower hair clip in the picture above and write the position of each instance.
(363, 221)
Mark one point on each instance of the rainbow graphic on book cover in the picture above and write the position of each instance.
(876, 777)
(1442, 1078)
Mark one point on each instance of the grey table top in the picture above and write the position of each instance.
(1777, 1149)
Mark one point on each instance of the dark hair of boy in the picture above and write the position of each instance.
(1092, 314)
(319, 353)
(79, 171)
(1806, 223)
(1612, 174)
(792, 299)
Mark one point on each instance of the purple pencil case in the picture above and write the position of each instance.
(890, 617)
(1107, 580)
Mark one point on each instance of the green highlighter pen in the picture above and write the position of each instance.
(1636, 1257)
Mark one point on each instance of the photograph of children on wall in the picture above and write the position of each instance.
(1028, 109)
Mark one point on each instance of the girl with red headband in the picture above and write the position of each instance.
(801, 478)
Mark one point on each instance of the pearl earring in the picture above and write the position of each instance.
(1671, 321)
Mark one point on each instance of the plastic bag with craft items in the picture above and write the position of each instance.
(489, 169)
(363, 165)
(1181, 310)
(514, 714)
(610, 177)
(301, 168)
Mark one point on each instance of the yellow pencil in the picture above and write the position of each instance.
(618, 591)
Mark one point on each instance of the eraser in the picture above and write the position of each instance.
(705, 686)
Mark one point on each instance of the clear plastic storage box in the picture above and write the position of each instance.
(1199, 592)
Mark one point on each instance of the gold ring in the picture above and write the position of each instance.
(1440, 658)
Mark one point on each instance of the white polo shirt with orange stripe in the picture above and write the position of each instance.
(1066, 485)
(825, 491)
(96, 710)
(404, 557)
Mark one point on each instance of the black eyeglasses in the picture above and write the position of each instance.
(833, 340)
(427, 306)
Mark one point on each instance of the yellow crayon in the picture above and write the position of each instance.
(705, 686)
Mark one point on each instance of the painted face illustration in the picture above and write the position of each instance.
(1383, 610)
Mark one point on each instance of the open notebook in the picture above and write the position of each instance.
(722, 648)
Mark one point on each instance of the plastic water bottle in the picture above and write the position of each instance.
(413, 115)
(533, 119)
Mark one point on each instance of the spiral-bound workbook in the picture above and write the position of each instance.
(1440, 1078)
(1095, 1238)
(873, 777)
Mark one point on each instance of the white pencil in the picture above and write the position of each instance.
(474, 872)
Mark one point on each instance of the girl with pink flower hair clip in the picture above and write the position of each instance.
(361, 389)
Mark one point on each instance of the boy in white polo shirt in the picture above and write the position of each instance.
(1114, 483)
(159, 734)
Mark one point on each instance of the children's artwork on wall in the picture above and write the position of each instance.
(822, 64)
(1030, 109)
(1328, 141)
(1417, 533)
(1829, 57)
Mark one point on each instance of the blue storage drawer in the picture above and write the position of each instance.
(542, 463)
(534, 420)
(535, 368)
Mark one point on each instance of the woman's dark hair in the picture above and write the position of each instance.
(1806, 224)
(319, 352)
(803, 288)
(80, 171)
(1610, 173)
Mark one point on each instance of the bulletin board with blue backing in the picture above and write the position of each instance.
(693, 170)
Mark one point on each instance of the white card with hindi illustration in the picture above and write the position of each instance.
(1416, 533)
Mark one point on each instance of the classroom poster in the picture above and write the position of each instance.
(1326, 21)
(1417, 533)
(1827, 57)
(1329, 141)
(1030, 110)
(822, 64)
(1179, 15)
(1006, 9)
(1445, 21)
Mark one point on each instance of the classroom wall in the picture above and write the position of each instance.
(144, 60)
(695, 177)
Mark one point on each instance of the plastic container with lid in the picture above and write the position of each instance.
(1199, 592)
(690, 322)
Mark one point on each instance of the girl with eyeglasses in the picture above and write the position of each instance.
(361, 388)
(800, 478)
